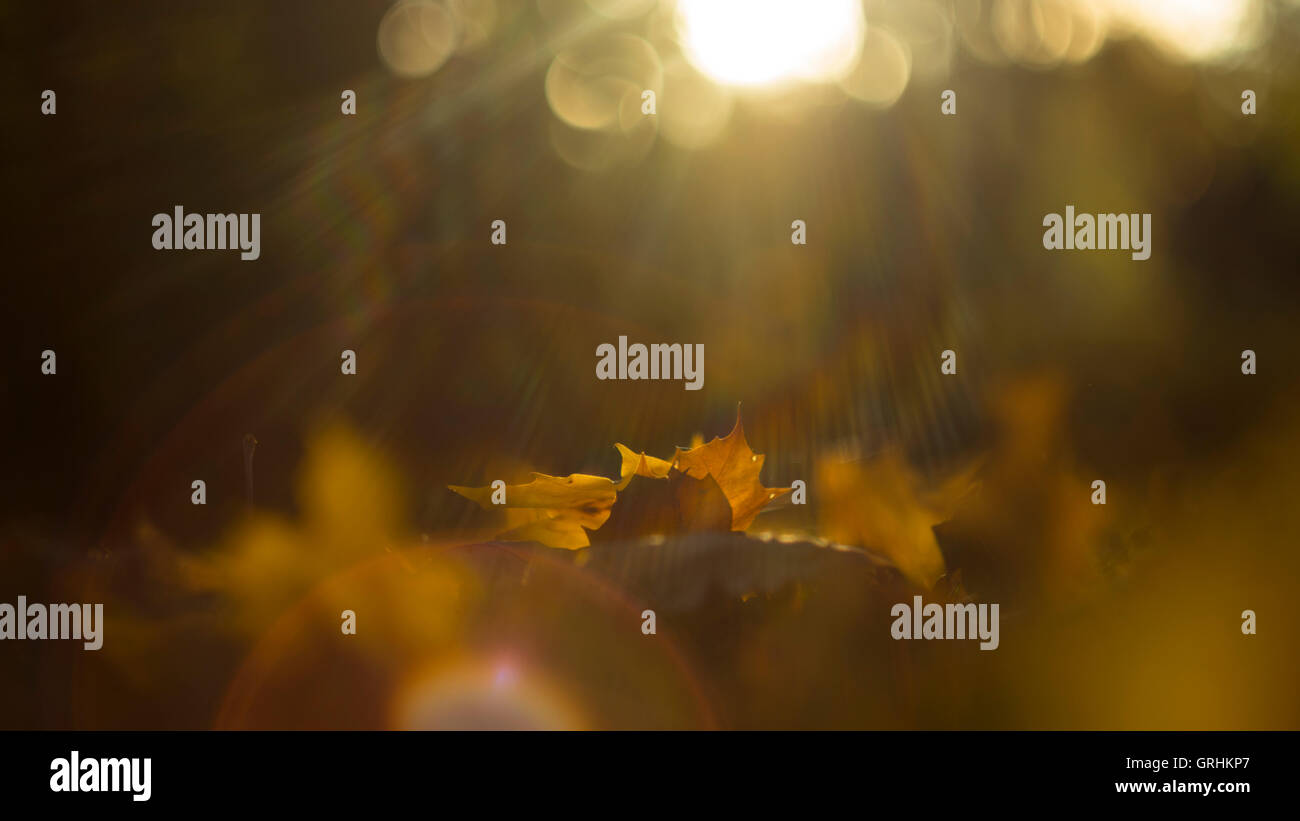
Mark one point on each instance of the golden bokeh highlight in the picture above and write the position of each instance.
(586, 86)
(700, 109)
(416, 37)
(1202, 30)
(882, 71)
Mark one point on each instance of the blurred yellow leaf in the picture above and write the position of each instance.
(883, 504)
(352, 511)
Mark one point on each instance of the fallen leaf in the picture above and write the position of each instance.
(708, 487)
(882, 504)
(668, 507)
(736, 469)
(563, 507)
(578, 491)
(638, 464)
(558, 529)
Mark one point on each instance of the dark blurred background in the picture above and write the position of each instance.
(477, 361)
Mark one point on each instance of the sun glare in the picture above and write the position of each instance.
(1197, 29)
(768, 42)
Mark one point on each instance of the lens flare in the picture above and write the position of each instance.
(483, 695)
(769, 42)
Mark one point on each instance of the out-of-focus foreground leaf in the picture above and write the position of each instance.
(883, 504)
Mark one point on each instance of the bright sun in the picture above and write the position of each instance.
(765, 42)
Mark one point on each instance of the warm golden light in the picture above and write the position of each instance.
(766, 42)
(1195, 29)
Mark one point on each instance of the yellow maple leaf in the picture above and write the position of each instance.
(708, 486)
(559, 509)
(735, 468)
(555, 528)
(638, 464)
